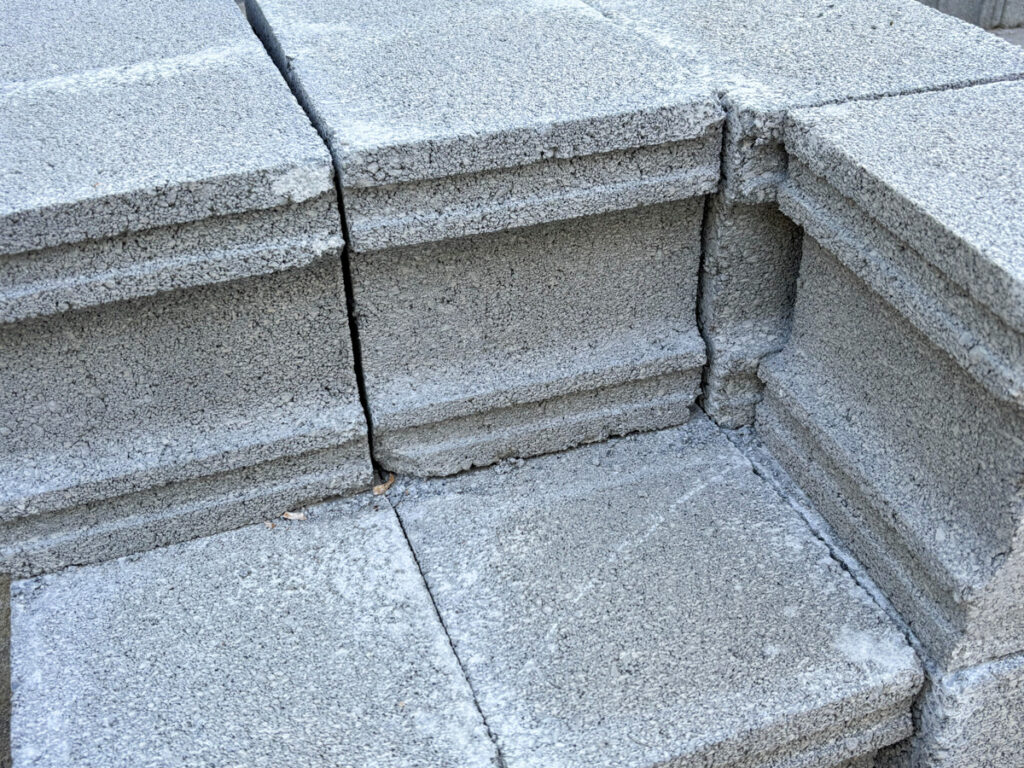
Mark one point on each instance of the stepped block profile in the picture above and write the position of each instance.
(524, 230)
(171, 304)
(899, 403)
(767, 59)
(313, 643)
(631, 617)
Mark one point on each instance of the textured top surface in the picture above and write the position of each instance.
(944, 170)
(410, 90)
(160, 113)
(774, 54)
(310, 644)
(651, 598)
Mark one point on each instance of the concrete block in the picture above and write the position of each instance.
(172, 326)
(5, 671)
(972, 717)
(767, 59)
(524, 229)
(312, 643)
(651, 601)
(934, 319)
(748, 279)
(852, 409)
(957, 276)
(529, 341)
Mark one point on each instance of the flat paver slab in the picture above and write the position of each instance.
(310, 644)
(651, 599)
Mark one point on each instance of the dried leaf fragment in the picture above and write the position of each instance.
(268, 524)
(294, 515)
(385, 486)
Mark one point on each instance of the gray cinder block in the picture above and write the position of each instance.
(651, 601)
(767, 59)
(899, 401)
(313, 643)
(750, 261)
(172, 319)
(524, 228)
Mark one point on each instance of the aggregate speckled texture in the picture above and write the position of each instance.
(651, 599)
(313, 643)
(524, 229)
(173, 338)
(767, 59)
(530, 341)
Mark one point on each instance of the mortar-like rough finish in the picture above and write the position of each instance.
(530, 341)
(484, 138)
(172, 328)
(895, 188)
(748, 279)
(915, 464)
(524, 229)
(766, 59)
(311, 643)
(650, 600)
(972, 717)
(769, 58)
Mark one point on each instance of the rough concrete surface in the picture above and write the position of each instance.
(748, 281)
(530, 341)
(587, 89)
(766, 59)
(173, 338)
(921, 168)
(313, 643)
(132, 425)
(935, 521)
(524, 229)
(648, 600)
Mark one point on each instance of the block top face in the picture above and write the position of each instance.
(651, 601)
(772, 55)
(411, 91)
(311, 643)
(43, 38)
(944, 171)
(164, 132)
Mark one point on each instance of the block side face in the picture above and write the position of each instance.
(750, 263)
(237, 649)
(946, 511)
(588, 86)
(398, 215)
(477, 325)
(913, 161)
(973, 717)
(95, 272)
(604, 666)
(117, 399)
(979, 339)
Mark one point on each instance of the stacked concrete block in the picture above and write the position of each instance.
(984, 13)
(172, 329)
(652, 601)
(313, 643)
(899, 402)
(766, 59)
(523, 189)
